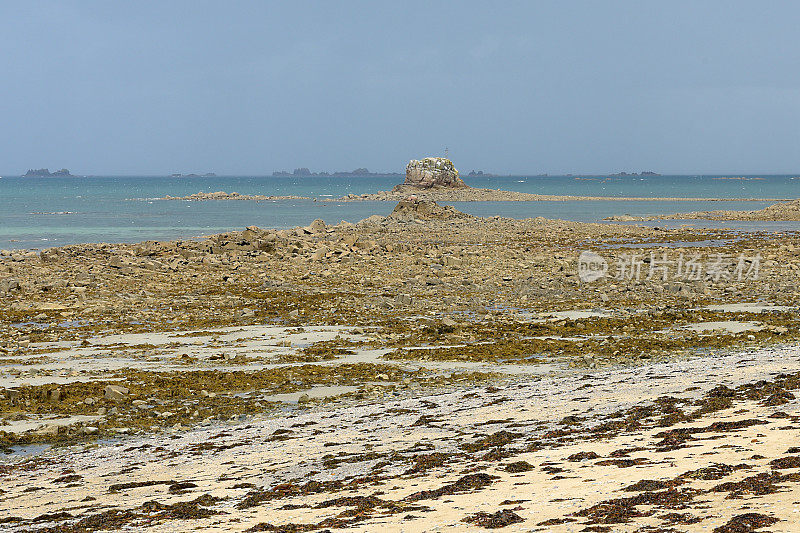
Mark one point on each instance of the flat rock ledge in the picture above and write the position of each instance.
(470, 194)
(222, 195)
(787, 210)
(438, 194)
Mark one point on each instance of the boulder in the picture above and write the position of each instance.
(320, 254)
(432, 172)
(115, 392)
(8, 285)
(318, 226)
(48, 255)
(371, 220)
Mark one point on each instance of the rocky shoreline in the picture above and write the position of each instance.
(786, 210)
(352, 375)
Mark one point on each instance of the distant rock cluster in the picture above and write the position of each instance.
(642, 173)
(304, 172)
(45, 173)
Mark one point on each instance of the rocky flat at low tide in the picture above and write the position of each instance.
(424, 370)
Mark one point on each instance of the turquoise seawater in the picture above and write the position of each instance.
(46, 212)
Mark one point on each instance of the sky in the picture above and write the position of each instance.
(246, 88)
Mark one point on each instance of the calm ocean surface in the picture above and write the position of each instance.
(45, 212)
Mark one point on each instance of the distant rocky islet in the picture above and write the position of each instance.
(45, 173)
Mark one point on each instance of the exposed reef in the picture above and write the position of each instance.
(786, 210)
(222, 195)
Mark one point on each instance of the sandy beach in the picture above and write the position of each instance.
(692, 444)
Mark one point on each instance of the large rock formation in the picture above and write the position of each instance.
(432, 172)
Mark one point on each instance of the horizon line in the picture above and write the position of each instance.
(485, 174)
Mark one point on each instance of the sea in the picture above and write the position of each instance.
(44, 212)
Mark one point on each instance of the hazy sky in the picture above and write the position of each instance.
(513, 87)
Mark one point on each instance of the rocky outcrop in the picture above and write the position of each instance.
(432, 172)
(413, 208)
